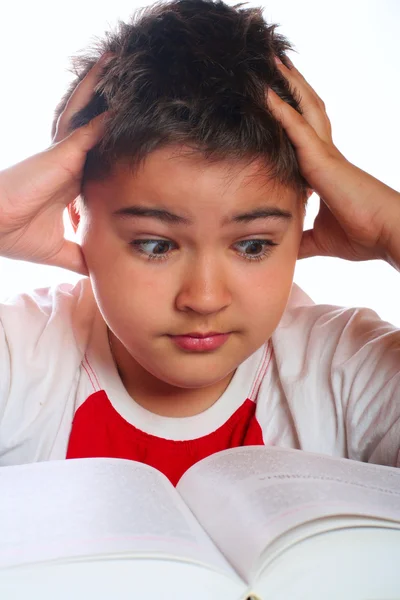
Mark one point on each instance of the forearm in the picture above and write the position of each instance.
(384, 208)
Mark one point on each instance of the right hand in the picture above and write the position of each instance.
(35, 192)
(358, 215)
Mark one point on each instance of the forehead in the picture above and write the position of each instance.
(179, 177)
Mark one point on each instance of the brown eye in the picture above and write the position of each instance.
(158, 248)
(258, 249)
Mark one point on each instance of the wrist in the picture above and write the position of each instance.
(392, 242)
(393, 258)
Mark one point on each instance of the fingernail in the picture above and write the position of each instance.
(278, 60)
(105, 59)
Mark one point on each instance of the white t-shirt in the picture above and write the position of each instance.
(327, 381)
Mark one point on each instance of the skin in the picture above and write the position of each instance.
(204, 284)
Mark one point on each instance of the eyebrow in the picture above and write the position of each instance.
(262, 212)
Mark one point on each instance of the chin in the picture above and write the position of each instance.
(195, 378)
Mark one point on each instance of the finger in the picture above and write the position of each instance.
(80, 97)
(86, 137)
(302, 135)
(294, 75)
(313, 108)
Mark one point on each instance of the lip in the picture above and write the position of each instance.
(195, 343)
(196, 334)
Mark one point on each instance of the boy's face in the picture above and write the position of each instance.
(204, 275)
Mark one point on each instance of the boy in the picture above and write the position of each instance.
(188, 335)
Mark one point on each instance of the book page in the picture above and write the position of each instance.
(352, 563)
(96, 507)
(247, 497)
(117, 579)
(311, 529)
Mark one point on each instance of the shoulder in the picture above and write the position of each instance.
(334, 380)
(324, 332)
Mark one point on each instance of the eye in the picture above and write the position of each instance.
(158, 252)
(259, 249)
(159, 249)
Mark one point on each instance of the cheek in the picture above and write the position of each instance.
(130, 302)
(270, 295)
(127, 290)
(271, 287)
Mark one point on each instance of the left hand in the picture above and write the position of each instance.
(359, 215)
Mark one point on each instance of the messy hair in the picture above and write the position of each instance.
(192, 73)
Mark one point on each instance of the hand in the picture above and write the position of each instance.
(358, 214)
(35, 192)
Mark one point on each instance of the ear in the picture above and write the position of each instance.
(73, 216)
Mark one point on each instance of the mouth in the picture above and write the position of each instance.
(196, 342)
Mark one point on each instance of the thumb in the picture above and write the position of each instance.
(308, 247)
(70, 257)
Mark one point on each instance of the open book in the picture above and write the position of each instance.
(251, 522)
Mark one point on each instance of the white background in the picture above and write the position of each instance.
(348, 51)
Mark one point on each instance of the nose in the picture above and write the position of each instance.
(204, 288)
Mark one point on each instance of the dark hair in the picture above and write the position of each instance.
(192, 73)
